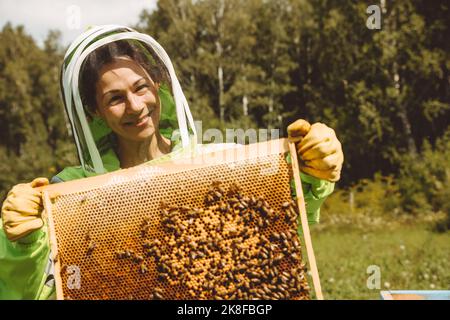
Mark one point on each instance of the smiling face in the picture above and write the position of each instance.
(127, 99)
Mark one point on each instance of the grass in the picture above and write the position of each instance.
(409, 258)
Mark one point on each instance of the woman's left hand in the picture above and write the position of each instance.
(319, 149)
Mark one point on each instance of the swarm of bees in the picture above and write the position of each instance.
(228, 249)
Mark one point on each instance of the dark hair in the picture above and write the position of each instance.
(105, 55)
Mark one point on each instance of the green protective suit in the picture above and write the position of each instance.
(25, 268)
(23, 263)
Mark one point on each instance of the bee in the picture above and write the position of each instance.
(129, 253)
(193, 255)
(283, 286)
(144, 230)
(292, 283)
(158, 294)
(221, 189)
(295, 257)
(223, 207)
(201, 255)
(264, 211)
(91, 247)
(83, 199)
(252, 274)
(63, 269)
(296, 245)
(120, 254)
(261, 223)
(163, 277)
(192, 214)
(148, 244)
(259, 204)
(264, 239)
(163, 204)
(143, 268)
(277, 258)
(273, 247)
(265, 262)
(163, 268)
(263, 255)
(285, 205)
(275, 236)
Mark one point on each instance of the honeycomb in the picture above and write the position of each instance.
(220, 231)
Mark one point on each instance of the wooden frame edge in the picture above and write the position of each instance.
(53, 244)
(304, 221)
(238, 153)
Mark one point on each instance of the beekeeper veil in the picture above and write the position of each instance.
(92, 135)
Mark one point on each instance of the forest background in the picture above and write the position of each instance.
(263, 64)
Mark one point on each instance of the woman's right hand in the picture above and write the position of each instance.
(22, 209)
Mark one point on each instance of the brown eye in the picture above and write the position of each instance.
(114, 100)
(142, 88)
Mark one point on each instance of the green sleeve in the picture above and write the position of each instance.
(315, 191)
(22, 265)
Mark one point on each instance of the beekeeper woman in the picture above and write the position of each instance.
(126, 107)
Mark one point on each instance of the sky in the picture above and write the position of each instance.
(71, 17)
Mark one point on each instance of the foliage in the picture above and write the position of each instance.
(411, 258)
(382, 91)
(377, 199)
(263, 64)
(425, 180)
(34, 138)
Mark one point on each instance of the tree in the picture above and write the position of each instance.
(34, 137)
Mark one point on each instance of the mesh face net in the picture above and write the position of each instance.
(222, 229)
(79, 73)
(146, 58)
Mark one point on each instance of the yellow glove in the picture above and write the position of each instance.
(21, 211)
(319, 149)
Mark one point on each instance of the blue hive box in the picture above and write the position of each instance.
(415, 295)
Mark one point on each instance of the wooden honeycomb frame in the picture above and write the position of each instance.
(109, 210)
